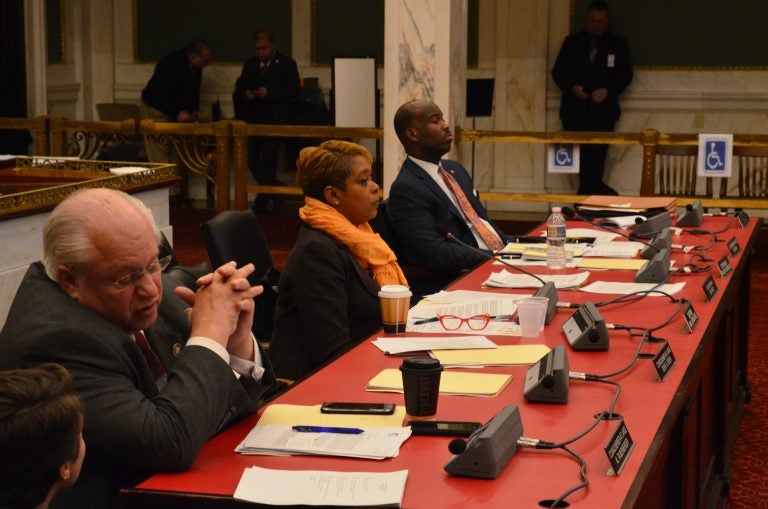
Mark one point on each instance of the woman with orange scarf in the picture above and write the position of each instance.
(328, 298)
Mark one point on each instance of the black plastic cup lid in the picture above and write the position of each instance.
(421, 364)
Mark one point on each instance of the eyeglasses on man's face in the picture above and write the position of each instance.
(453, 322)
(131, 279)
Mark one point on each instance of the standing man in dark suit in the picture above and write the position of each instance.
(173, 91)
(592, 69)
(264, 94)
(423, 196)
(157, 379)
(172, 94)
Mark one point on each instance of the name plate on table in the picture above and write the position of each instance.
(724, 266)
(664, 361)
(618, 449)
(710, 288)
(734, 247)
(690, 316)
(743, 218)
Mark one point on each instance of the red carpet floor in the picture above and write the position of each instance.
(749, 488)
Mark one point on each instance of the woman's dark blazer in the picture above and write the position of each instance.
(326, 304)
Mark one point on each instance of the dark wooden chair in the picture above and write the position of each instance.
(751, 169)
(676, 167)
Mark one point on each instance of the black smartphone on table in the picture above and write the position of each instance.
(443, 428)
(341, 407)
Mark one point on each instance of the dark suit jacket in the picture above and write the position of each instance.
(417, 205)
(573, 67)
(326, 304)
(283, 87)
(174, 86)
(132, 430)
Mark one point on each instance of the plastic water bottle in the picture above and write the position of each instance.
(556, 255)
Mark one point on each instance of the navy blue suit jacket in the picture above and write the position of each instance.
(417, 205)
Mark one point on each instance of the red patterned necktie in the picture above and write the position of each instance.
(154, 363)
(490, 238)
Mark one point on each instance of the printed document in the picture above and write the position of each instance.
(326, 488)
(506, 279)
(395, 346)
(373, 443)
(616, 288)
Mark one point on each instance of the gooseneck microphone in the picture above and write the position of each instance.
(547, 287)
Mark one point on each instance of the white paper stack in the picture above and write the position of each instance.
(505, 279)
(373, 443)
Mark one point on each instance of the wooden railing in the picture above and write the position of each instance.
(215, 150)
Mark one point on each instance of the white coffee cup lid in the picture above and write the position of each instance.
(394, 291)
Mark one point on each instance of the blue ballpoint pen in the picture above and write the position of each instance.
(328, 429)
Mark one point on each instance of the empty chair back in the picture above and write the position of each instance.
(752, 170)
(380, 225)
(237, 235)
(676, 172)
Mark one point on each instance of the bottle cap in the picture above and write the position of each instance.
(555, 209)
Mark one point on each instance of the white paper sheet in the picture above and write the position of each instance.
(615, 288)
(420, 343)
(374, 443)
(505, 279)
(615, 250)
(318, 487)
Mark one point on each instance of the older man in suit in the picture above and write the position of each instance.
(431, 191)
(158, 378)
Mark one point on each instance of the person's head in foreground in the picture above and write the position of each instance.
(101, 246)
(338, 175)
(41, 423)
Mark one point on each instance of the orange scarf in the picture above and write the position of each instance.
(368, 248)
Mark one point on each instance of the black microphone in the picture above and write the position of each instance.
(657, 268)
(693, 215)
(457, 446)
(665, 239)
(651, 226)
(547, 287)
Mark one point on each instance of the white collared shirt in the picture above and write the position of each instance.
(432, 171)
(241, 367)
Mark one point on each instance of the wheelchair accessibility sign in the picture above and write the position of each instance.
(562, 158)
(715, 151)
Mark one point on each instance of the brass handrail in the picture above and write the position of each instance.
(214, 149)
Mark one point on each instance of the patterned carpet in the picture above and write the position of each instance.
(749, 488)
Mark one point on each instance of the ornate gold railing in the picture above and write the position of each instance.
(214, 150)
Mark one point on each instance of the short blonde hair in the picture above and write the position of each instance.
(328, 164)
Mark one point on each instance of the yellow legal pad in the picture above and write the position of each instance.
(612, 263)
(507, 355)
(310, 415)
(451, 382)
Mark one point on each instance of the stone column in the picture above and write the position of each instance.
(36, 58)
(425, 55)
(98, 63)
(520, 99)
